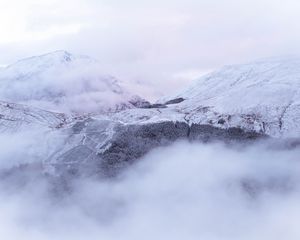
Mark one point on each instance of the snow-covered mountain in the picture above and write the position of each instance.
(60, 81)
(238, 103)
(263, 96)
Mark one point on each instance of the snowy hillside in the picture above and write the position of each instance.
(60, 81)
(17, 117)
(263, 96)
(237, 103)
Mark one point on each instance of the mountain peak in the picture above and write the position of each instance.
(47, 60)
(61, 54)
(61, 81)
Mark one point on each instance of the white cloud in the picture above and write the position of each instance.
(152, 41)
(20, 21)
(186, 191)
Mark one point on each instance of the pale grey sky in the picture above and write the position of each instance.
(165, 43)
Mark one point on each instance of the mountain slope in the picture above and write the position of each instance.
(239, 103)
(60, 81)
(17, 117)
(263, 96)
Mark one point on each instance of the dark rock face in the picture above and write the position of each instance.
(162, 105)
(132, 142)
(102, 148)
(208, 133)
(175, 101)
(155, 105)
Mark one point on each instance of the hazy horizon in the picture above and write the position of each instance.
(160, 43)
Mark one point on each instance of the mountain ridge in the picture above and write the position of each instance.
(218, 107)
(267, 89)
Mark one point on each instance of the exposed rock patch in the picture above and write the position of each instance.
(174, 101)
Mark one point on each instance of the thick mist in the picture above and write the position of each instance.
(49, 83)
(184, 191)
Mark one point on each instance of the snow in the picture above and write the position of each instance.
(17, 117)
(60, 81)
(262, 96)
(264, 93)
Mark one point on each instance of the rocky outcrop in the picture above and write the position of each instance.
(174, 101)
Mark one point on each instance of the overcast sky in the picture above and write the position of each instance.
(164, 42)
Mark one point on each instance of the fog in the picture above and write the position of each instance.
(78, 86)
(184, 191)
(33, 145)
(164, 44)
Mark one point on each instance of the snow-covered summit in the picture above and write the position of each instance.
(33, 66)
(61, 81)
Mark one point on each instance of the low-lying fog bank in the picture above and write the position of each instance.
(184, 191)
